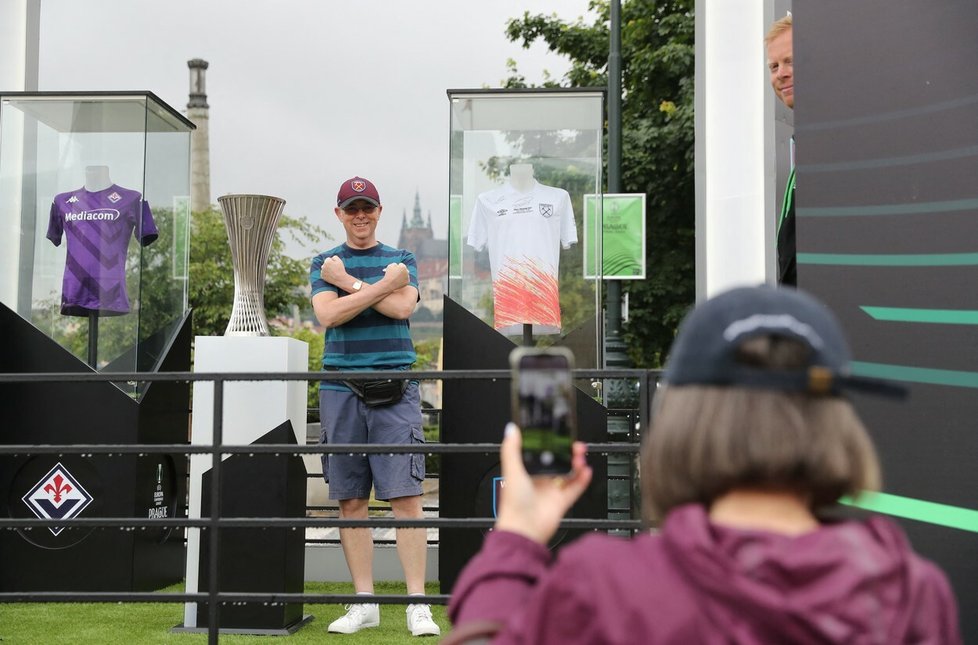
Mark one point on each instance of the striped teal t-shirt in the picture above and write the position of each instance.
(371, 340)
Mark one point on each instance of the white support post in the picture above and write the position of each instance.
(734, 190)
(20, 27)
(20, 23)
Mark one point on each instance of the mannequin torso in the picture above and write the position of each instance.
(97, 178)
(521, 177)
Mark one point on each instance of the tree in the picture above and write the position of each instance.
(657, 54)
(427, 351)
(316, 342)
(211, 282)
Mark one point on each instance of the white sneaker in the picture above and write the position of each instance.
(357, 617)
(419, 621)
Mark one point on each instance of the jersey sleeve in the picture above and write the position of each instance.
(478, 229)
(315, 276)
(56, 225)
(146, 232)
(568, 227)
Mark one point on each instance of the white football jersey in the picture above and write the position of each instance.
(524, 233)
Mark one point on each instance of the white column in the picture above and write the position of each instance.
(19, 35)
(734, 173)
(20, 26)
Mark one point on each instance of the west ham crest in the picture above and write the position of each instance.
(546, 210)
(57, 496)
(358, 186)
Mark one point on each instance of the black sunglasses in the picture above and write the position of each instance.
(353, 210)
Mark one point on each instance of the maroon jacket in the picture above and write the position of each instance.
(850, 582)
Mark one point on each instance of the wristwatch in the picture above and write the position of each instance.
(358, 285)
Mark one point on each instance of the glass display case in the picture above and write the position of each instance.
(521, 162)
(95, 206)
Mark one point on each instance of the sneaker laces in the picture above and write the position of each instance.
(355, 611)
(421, 611)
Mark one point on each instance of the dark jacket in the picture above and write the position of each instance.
(787, 252)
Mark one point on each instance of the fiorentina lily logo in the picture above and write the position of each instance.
(114, 197)
(57, 496)
(358, 185)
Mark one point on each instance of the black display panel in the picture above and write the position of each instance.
(886, 127)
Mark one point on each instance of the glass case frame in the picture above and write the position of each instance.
(95, 200)
(543, 147)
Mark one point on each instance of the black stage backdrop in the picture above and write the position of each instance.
(886, 123)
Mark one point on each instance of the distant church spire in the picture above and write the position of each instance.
(415, 233)
(417, 221)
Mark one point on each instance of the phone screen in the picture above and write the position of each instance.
(543, 406)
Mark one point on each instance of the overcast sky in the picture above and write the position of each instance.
(305, 93)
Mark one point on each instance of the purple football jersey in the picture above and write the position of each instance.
(97, 227)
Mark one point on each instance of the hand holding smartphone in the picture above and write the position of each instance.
(544, 407)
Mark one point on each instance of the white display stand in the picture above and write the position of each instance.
(251, 409)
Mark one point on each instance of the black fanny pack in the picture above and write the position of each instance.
(378, 393)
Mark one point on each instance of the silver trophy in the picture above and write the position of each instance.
(251, 221)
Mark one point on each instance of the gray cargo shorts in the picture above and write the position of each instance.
(345, 419)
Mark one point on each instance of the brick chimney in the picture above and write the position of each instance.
(200, 154)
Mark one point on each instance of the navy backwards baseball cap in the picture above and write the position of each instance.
(705, 351)
(357, 188)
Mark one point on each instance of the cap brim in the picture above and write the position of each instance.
(814, 381)
(879, 387)
(347, 202)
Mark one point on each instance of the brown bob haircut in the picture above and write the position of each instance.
(707, 440)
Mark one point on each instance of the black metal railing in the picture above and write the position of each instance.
(646, 382)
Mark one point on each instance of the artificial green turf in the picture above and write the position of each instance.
(150, 623)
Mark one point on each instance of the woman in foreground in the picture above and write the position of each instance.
(751, 444)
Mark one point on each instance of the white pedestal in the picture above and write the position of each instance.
(251, 409)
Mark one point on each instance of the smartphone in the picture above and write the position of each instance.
(544, 407)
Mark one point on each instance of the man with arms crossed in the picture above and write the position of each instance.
(780, 62)
(363, 292)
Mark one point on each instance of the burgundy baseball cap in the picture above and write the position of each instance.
(357, 188)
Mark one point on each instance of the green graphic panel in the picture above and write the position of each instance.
(620, 236)
(181, 231)
(890, 259)
(938, 316)
(955, 517)
(455, 236)
(931, 376)
(915, 208)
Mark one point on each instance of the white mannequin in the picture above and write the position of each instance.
(521, 176)
(97, 178)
